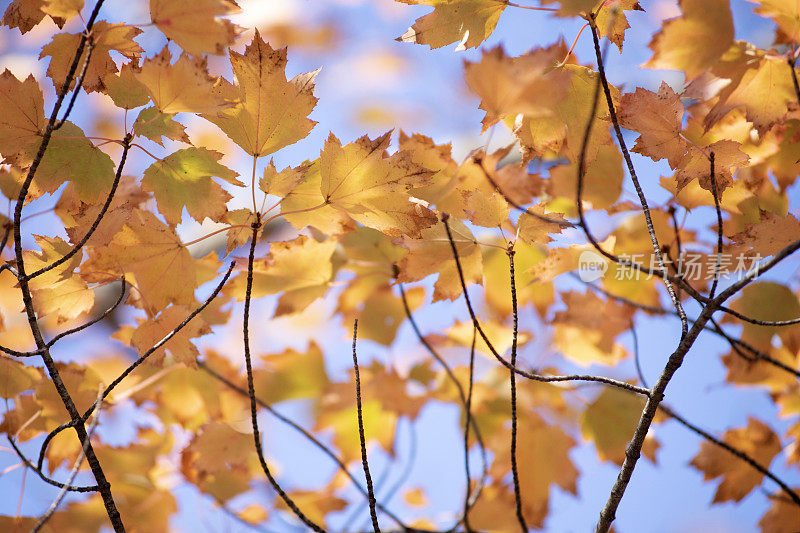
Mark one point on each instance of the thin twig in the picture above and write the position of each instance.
(466, 400)
(251, 388)
(362, 439)
(96, 319)
(41, 474)
(478, 158)
(141, 359)
(307, 434)
(718, 261)
(77, 466)
(634, 178)
(467, 500)
(529, 375)
(109, 198)
(514, 470)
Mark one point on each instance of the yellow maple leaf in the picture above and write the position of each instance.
(183, 179)
(431, 254)
(362, 182)
(25, 14)
(468, 22)
(152, 257)
(108, 37)
(22, 121)
(703, 21)
(785, 13)
(757, 440)
(195, 26)
(301, 264)
(657, 118)
(180, 348)
(511, 85)
(272, 111)
(184, 86)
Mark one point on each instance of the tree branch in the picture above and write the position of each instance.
(251, 390)
(529, 375)
(370, 489)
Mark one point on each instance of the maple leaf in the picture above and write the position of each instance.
(657, 118)
(500, 335)
(124, 89)
(537, 230)
(272, 111)
(62, 9)
(764, 90)
(337, 411)
(770, 235)
(431, 253)
(571, 8)
(184, 86)
(196, 26)
(183, 179)
(611, 20)
(179, 349)
(746, 371)
(58, 291)
(301, 266)
(785, 13)
(728, 158)
(495, 274)
(586, 330)
(15, 377)
(22, 121)
(564, 130)
(782, 517)
(510, 86)
(25, 14)
(610, 421)
(283, 182)
(154, 125)
(602, 179)
(765, 300)
(675, 46)
(77, 214)
(71, 156)
(542, 460)
(153, 258)
(359, 180)
(757, 440)
(315, 504)
(468, 22)
(291, 375)
(116, 37)
(218, 460)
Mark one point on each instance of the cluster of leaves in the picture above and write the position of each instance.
(362, 220)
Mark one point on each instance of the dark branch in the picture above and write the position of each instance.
(718, 260)
(251, 389)
(74, 472)
(95, 320)
(529, 375)
(634, 178)
(307, 434)
(514, 469)
(41, 474)
(142, 358)
(362, 439)
(79, 246)
(104, 486)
